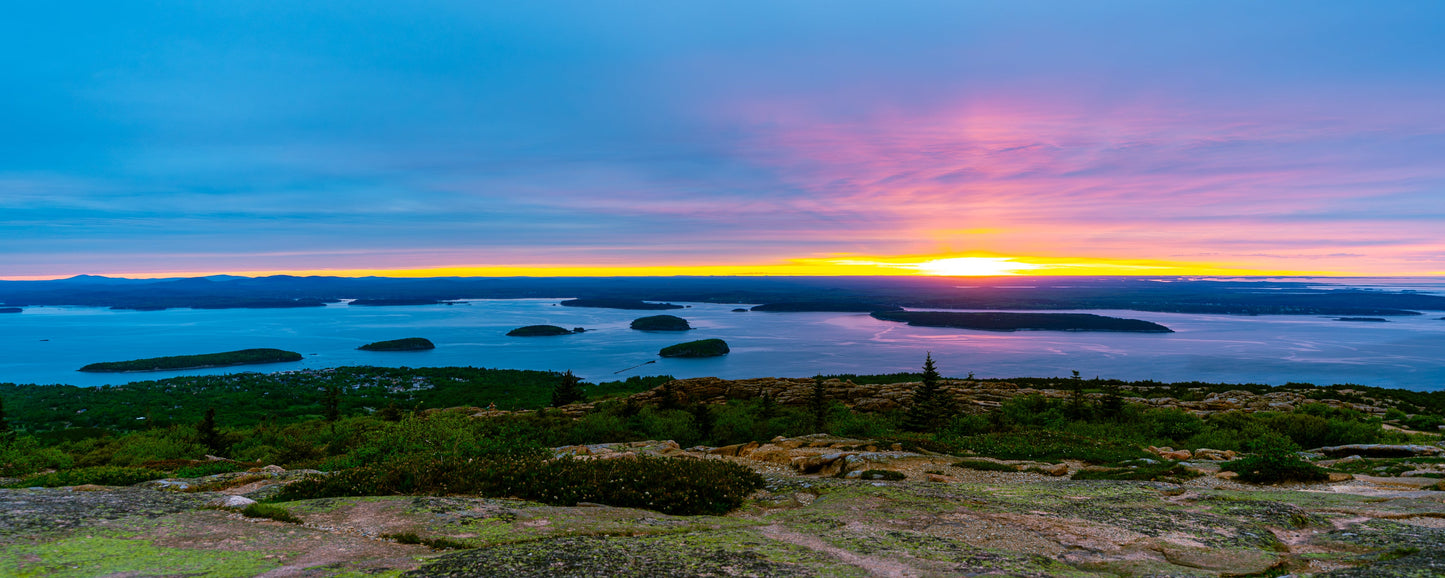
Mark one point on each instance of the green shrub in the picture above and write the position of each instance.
(211, 468)
(985, 465)
(24, 456)
(98, 475)
(1047, 445)
(1275, 461)
(668, 485)
(1163, 472)
(1173, 424)
(270, 511)
(439, 543)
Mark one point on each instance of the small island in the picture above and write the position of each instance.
(407, 344)
(10, 309)
(740, 310)
(632, 304)
(1364, 319)
(229, 358)
(538, 331)
(827, 306)
(661, 323)
(699, 348)
(998, 321)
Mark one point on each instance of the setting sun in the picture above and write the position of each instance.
(972, 266)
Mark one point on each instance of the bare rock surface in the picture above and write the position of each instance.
(811, 519)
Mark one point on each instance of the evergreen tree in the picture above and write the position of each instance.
(206, 433)
(331, 404)
(6, 434)
(702, 419)
(392, 412)
(1077, 410)
(569, 390)
(931, 407)
(1112, 406)
(818, 405)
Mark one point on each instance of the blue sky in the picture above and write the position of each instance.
(200, 137)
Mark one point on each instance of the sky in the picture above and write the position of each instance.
(422, 138)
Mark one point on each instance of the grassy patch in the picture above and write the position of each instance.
(439, 543)
(1173, 473)
(270, 512)
(1045, 445)
(985, 466)
(98, 475)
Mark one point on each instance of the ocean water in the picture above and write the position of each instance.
(48, 344)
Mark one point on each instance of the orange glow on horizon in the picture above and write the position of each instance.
(838, 265)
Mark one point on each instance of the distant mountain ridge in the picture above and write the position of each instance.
(1179, 295)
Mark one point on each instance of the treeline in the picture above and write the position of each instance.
(248, 399)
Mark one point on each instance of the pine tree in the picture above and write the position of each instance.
(818, 405)
(1076, 396)
(931, 407)
(569, 390)
(702, 419)
(206, 433)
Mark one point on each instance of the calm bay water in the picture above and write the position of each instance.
(48, 344)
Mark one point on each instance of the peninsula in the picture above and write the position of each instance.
(994, 321)
(632, 304)
(225, 359)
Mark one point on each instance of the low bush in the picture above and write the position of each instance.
(669, 485)
(985, 465)
(1274, 460)
(211, 468)
(1164, 472)
(271, 512)
(1046, 445)
(440, 543)
(224, 484)
(98, 475)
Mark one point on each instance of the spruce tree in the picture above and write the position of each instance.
(818, 405)
(931, 407)
(206, 433)
(569, 390)
(6, 434)
(331, 404)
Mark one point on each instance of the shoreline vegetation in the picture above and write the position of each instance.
(405, 344)
(998, 321)
(202, 361)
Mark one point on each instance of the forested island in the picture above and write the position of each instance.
(632, 304)
(10, 309)
(407, 344)
(660, 323)
(827, 306)
(699, 348)
(998, 321)
(540, 331)
(225, 359)
(1363, 319)
(396, 302)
